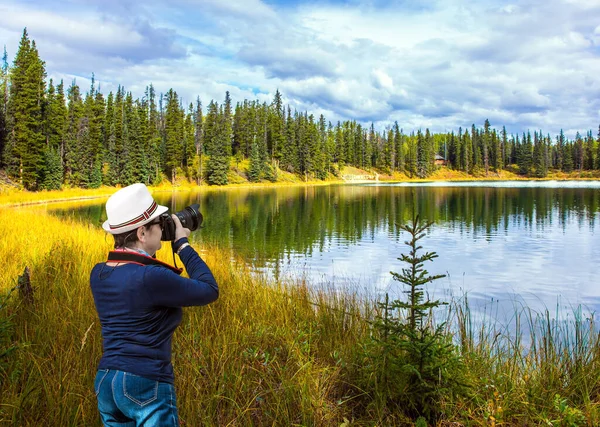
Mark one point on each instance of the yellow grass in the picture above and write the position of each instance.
(261, 354)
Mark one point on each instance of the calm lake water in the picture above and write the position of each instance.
(506, 243)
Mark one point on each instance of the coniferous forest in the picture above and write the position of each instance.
(52, 135)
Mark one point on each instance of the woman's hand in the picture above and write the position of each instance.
(180, 232)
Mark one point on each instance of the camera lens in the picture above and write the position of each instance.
(190, 217)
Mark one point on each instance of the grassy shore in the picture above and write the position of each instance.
(13, 195)
(266, 353)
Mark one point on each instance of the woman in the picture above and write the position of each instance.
(139, 300)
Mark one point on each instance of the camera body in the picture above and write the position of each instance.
(190, 218)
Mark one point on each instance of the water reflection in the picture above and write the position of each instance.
(494, 242)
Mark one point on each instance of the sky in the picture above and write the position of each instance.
(527, 65)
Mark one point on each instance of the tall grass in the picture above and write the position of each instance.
(259, 355)
(265, 353)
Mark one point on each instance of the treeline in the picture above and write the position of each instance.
(51, 135)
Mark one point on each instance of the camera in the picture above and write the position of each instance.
(190, 218)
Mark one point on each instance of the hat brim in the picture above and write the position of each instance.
(159, 211)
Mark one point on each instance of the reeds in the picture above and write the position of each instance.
(265, 353)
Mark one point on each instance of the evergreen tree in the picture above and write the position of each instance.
(560, 143)
(598, 150)
(4, 84)
(578, 153)
(411, 155)
(588, 163)
(339, 155)
(55, 119)
(320, 153)
(211, 127)
(398, 147)
(414, 360)
(25, 156)
(422, 160)
(108, 173)
(330, 150)
(467, 152)
(539, 156)
(476, 151)
(277, 127)
(173, 134)
(218, 139)
(289, 159)
(255, 170)
(154, 137)
(53, 171)
(387, 158)
(134, 168)
(525, 155)
(75, 132)
(568, 157)
(505, 152)
(189, 140)
(486, 146)
(199, 140)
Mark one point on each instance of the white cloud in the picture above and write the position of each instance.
(527, 64)
(382, 79)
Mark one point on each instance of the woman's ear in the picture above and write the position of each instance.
(141, 234)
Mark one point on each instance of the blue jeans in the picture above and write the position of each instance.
(128, 400)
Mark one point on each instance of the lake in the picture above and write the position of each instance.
(502, 243)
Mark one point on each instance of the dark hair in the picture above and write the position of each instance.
(121, 240)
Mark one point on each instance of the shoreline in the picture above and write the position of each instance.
(11, 195)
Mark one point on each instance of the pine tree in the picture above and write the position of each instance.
(399, 147)
(505, 152)
(539, 156)
(411, 155)
(588, 163)
(319, 154)
(277, 127)
(568, 157)
(189, 141)
(155, 140)
(289, 158)
(53, 171)
(135, 165)
(387, 158)
(525, 155)
(199, 140)
(598, 150)
(467, 152)
(560, 143)
(330, 150)
(55, 119)
(413, 359)
(75, 132)
(578, 153)
(4, 84)
(211, 127)
(255, 170)
(476, 151)
(485, 142)
(173, 134)
(27, 92)
(109, 162)
(218, 138)
(422, 160)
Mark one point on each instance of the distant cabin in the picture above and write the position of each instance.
(439, 160)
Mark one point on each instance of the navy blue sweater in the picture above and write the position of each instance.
(140, 307)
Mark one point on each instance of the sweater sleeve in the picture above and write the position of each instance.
(167, 289)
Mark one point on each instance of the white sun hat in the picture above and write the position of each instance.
(130, 208)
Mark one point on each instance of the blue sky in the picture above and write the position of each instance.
(528, 64)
